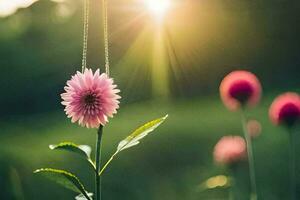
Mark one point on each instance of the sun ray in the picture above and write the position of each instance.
(135, 64)
(128, 25)
(160, 65)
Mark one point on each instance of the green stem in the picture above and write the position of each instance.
(107, 163)
(232, 185)
(231, 195)
(253, 195)
(292, 148)
(233, 188)
(98, 163)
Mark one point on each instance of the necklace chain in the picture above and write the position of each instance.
(85, 33)
(106, 39)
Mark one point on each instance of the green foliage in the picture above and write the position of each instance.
(135, 137)
(179, 157)
(141, 132)
(82, 150)
(63, 178)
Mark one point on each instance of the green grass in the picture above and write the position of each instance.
(169, 164)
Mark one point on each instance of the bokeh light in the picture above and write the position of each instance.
(8, 7)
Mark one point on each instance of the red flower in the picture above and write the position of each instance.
(240, 88)
(285, 109)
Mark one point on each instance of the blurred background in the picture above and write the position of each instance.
(165, 59)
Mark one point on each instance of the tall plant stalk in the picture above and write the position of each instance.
(231, 189)
(253, 195)
(98, 163)
(292, 147)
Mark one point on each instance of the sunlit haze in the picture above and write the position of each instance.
(158, 7)
(8, 7)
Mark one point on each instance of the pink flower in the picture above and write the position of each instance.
(285, 109)
(90, 98)
(230, 149)
(240, 88)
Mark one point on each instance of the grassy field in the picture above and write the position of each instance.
(168, 165)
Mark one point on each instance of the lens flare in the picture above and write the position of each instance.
(158, 7)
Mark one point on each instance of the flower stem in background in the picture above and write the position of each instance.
(231, 195)
(292, 166)
(253, 195)
(232, 186)
(98, 163)
(234, 189)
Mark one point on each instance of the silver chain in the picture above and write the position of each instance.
(106, 39)
(85, 33)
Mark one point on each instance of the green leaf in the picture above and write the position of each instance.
(134, 138)
(63, 178)
(82, 197)
(82, 150)
(141, 132)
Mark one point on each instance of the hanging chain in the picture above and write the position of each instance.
(105, 29)
(85, 33)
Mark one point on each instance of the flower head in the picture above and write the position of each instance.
(240, 88)
(230, 149)
(285, 109)
(90, 98)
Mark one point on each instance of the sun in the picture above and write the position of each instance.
(158, 7)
